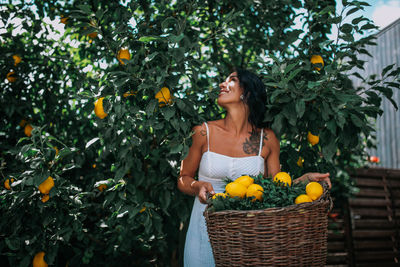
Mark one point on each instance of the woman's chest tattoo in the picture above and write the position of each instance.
(252, 144)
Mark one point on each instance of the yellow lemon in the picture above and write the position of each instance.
(302, 198)
(17, 59)
(45, 198)
(245, 180)
(28, 130)
(219, 194)
(7, 183)
(283, 177)
(163, 96)
(102, 187)
(46, 186)
(300, 162)
(235, 190)
(255, 190)
(98, 108)
(38, 260)
(123, 54)
(11, 77)
(314, 190)
(318, 61)
(312, 139)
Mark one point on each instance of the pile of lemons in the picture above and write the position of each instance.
(245, 188)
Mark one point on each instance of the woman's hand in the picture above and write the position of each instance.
(315, 177)
(202, 188)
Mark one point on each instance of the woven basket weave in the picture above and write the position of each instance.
(291, 236)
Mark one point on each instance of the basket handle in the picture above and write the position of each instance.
(327, 195)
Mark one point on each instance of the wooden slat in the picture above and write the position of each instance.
(368, 213)
(369, 182)
(336, 246)
(373, 233)
(381, 264)
(337, 235)
(394, 183)
(375, 255)
(337, 258)
(374, 224)
(374, 244)
(370, 192)
(370, 202)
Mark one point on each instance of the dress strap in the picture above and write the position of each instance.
(261, 139)
(208, 140)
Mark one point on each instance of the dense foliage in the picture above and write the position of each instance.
(115, 200)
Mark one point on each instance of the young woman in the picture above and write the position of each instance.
(239, 144)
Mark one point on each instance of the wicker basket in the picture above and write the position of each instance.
(291, 236)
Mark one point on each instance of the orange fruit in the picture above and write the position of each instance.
(300, 162)
(38, 260)
(102, 187)
(98, 108)
(123, 54)
(245, 180)
(283, 177)
(23, 122)
(46, 186)
(129, 93)
(92, 35)
(314, 190)
(255, 190)
(45, 198)
(63, 19)
(142, 210)
(235, 190)
(28, 130)
(163, 96)
(17, 59)
(317, 61)
(312, 139)
(11, 77)
(7, 183)
(302, 198)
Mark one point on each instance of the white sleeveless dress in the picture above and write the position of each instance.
(214, 168)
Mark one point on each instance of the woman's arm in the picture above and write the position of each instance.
(314, 177)
(272, 163)
(186, 182)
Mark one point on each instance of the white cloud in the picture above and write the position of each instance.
(386, 13)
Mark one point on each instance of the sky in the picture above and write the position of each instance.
(381, 12)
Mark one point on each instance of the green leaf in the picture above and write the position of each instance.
(387, 68)
(168, 112)
(175, 38)
(147, 39)
(85, 8)
(13, 243)
(151, 106)
(356, 120)
(300, 108)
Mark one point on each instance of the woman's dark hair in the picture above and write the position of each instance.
(255, 96)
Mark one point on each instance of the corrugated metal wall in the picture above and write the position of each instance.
(388, 125)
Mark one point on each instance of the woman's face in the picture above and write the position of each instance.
(230, 91)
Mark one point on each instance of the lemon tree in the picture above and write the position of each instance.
(156, 68)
